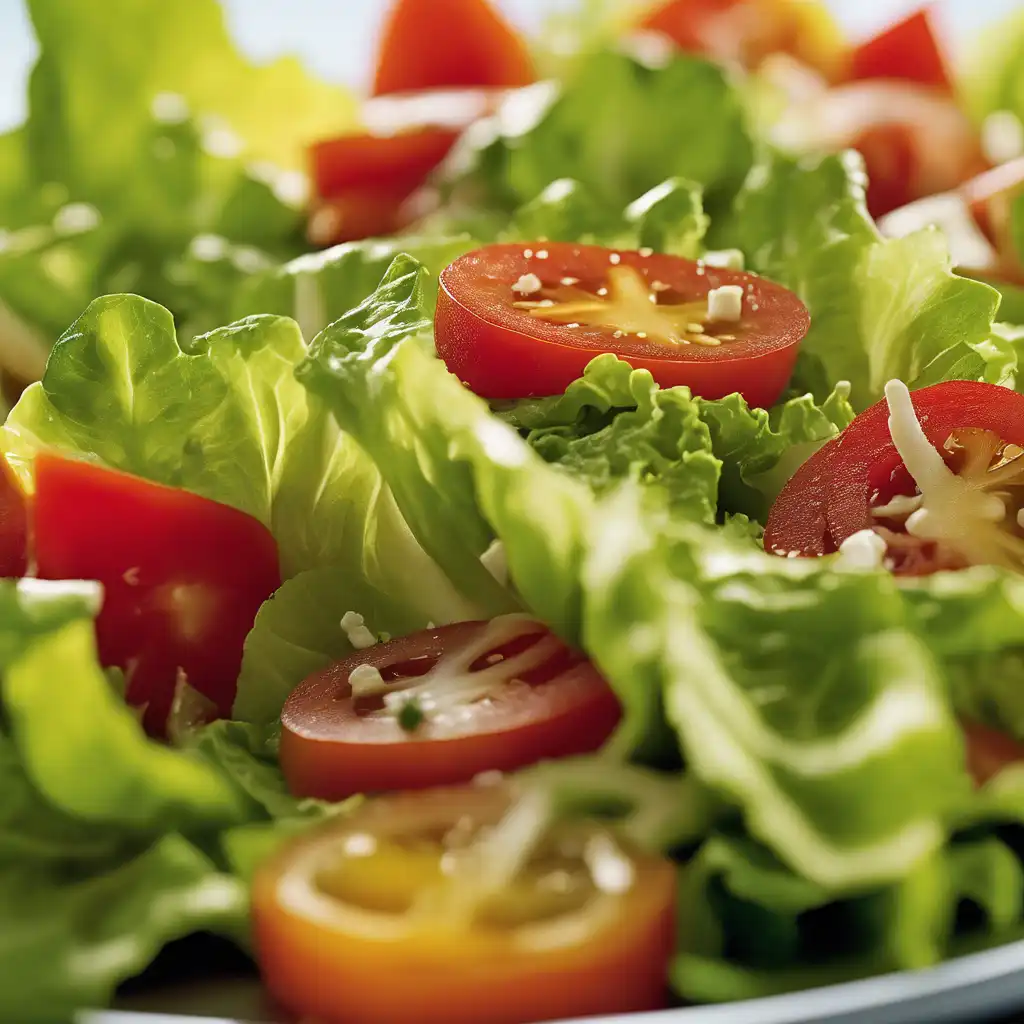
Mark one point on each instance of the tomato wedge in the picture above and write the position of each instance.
(959, 510)
(429, 44)
(908, 50)
(13, 524)
(400, 912)
(183, 576)
(516, 320)
(496, 695)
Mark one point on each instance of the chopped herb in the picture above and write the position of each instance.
(410, 715)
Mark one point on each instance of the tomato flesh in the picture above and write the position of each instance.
(183, 576)
(851, 481)
(908, 50)
(503, 343)
(521, 697)
(430, 44)
(374, 919)
(13, 525)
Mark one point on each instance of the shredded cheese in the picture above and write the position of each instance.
(355, 629)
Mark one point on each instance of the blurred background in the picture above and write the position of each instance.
(334, 36)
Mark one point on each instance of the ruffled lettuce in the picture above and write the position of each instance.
(879, 308)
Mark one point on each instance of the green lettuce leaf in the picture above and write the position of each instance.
(615, 423)
(879, 308)
(68, 940)
(93, 89)
(318, 288)
(428, 435)
(616, 126)
(991, 73)
(781, 679)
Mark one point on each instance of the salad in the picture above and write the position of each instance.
(600, 588)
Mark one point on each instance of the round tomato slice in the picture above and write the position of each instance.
(978, 430)
(13, 524)
(959, 504)
(440, 706)
(183, 577)
(517, 320)
(453, 907)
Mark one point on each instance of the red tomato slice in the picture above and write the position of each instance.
(496, 695)
(908, 50)
(183, 576)
(989, 751)
(391, 914)
(835, 494)
(649, 309)
(368, 212)
(430, 44)
(13, 524)
(397, 163)
(798, 520)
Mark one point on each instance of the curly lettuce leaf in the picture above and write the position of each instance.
(797, 693)
(879, 308)
(429, 436)
(615, 423)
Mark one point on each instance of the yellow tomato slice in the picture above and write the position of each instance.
(460, 907)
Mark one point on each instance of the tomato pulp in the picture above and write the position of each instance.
(496, 695)
(524, 319)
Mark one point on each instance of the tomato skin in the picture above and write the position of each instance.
(328, 751)
(13, 524)
(798, 517)
(501, 352)
(357, 213)
(866, 457)
(988, 751)
(398, 162)
(183, 576)
(430, 44)
(440, 974)
(907, 50)
(830, 497)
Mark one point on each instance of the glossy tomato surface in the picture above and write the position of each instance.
(502, 350)
(908, 50)
(380, 919)
(183, 576)
(832, 495)
(496, 695)
(13, 525)
(869, 469)
(429, 44)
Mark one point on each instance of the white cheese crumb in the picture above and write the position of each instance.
(862, 550)
(355, 629)
(528, 284)
(1020, 517)
(725, 303)
(495, 562)
(1002, 137)
(730, 259)
(365, 681)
